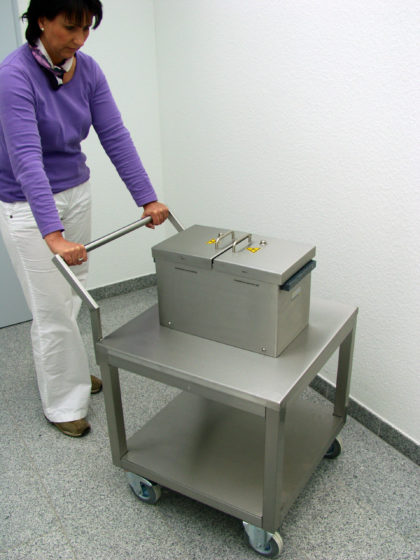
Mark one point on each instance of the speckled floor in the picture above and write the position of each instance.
(62, 498)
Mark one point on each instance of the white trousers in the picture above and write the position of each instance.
(60, 358)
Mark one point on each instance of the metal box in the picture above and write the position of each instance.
(234, 287)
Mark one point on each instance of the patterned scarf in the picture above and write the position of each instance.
(55, 72)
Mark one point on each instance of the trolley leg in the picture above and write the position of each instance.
(273, 467)
(114, 412)
(345, 359)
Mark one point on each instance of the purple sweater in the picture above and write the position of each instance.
(41, 130)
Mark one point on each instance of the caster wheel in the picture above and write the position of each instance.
(334, 450)
(269, 545)
(145, 490)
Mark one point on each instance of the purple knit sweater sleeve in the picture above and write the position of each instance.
(41, 131)
(24, 171)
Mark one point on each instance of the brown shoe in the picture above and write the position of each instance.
(75, 428)
(96, 385)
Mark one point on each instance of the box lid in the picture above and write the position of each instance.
(241, 254)
(265, 259)
(195, 246)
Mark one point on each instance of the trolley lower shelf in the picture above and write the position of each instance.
(215, 454)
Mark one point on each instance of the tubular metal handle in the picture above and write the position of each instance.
(116, 234)
(237, 241)
(95, 317)
(222, 236)
(78, 287)
(127, 229)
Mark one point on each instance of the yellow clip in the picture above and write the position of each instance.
(253, 249)
(211, 241)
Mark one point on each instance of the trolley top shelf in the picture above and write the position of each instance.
(240, 378)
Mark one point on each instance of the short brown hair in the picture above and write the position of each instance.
(74, 9)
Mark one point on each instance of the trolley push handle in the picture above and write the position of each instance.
(78, 287)
(127, 229)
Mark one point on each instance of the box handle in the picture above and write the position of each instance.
(237, 241)
(298, 276)
(222, 236)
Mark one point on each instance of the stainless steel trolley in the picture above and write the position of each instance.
(239, 437)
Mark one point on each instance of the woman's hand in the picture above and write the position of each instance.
(157, 211)
(72, 253)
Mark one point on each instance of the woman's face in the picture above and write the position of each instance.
(62, 37)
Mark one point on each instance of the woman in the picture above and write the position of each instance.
(50, 95)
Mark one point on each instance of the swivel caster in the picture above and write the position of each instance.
(145, 490)
(269, 545)
(334, 450)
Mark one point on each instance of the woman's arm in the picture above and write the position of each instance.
(23, 144)
(118, 145)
